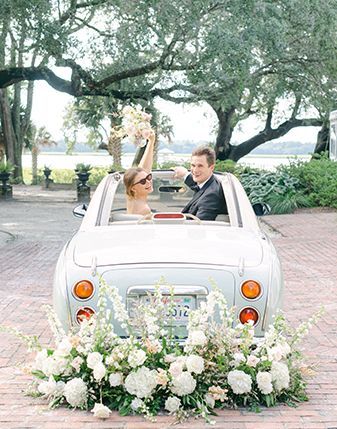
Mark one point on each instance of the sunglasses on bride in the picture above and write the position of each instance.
(143, 181)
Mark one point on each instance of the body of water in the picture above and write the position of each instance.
(60, 160)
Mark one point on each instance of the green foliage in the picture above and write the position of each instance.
(6, 167)
(97, 174)
(82, 168)
(63, 175)
(317, 180)
(278, 189)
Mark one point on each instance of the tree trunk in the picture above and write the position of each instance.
(222, 145)
(323, 137)
(35, 151)
(7, 126)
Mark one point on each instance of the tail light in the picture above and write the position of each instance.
(247, 314)
(251, 289)
(84, 313)
(83, 289)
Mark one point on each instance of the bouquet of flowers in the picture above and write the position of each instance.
(136, 125)
(219, 365)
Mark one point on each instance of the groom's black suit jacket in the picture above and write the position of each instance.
(207, 202)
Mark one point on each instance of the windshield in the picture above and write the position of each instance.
(169, 194)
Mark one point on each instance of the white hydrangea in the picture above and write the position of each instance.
(99, 371)
(93, 359)
(280, 375)
(75, 392)
(136, 358)
(183, 384)
(141, 382)
(116, 379)
(195, 364)
(101, 411)
(240, 382)
(264, 382)
(197, 338)
(172, 404)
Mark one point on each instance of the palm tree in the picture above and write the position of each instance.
(40, 138)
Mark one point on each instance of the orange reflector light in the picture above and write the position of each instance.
(248, 314)
(168, 216)
(251, 289)
(83, 289)
(84, 313)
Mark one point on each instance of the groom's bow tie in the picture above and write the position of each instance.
(195, 188)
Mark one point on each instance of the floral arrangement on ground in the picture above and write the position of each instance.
(219, 364)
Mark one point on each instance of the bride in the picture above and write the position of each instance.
(138, 182)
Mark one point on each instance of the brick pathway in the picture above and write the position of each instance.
(307, 245)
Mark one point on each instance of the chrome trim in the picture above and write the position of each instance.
(178, 290)
(252, 299)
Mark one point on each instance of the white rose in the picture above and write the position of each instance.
(169, 358)
(280, 375)
(210, 401)
(116, 379)
(64, 347)
(197, 338)
(40, 357)
(172, 404)
(275, 353)
(101, 411)
(93, 359)
(238, 358)
(252, 361)
(99, 371)
(183, 384)
(195, 364)
(136, 358)
(77, 362)
(75, 392)
(264, 383)
(136, 404)
(51, 387)
(54, 366)
(176, 368)
(141, 382)
(240, 382)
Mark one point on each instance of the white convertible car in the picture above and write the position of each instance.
(134, 252)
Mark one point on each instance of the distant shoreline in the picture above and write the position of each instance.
(173, 154)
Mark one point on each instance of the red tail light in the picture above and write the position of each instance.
(84, 313)
(248, 314)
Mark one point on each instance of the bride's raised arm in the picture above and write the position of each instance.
(147, 158)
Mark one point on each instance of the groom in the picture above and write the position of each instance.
(208, 200)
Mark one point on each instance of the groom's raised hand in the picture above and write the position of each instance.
(180, 172)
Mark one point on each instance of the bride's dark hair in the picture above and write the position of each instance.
(129, 178)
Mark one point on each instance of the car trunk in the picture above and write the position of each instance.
(176, 244)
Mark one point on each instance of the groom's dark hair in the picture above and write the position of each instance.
(207, 151)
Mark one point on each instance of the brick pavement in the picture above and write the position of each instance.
(307, 245)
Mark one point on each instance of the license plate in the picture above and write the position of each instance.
(182, 306)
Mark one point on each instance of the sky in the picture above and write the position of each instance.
(195, 123)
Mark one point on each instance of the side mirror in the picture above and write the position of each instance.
(79, 211)
(261, 209)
